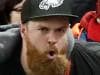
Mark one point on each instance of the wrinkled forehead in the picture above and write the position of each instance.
(49, 21)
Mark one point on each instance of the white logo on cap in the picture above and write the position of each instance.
(46, 4)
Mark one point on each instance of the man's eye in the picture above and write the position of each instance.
(61, 30)
(44, 29)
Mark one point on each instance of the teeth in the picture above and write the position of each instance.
(51, 57)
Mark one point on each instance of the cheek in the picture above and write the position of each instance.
(38, 40)
(62, 44)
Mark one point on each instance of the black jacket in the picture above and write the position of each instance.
(86, 58)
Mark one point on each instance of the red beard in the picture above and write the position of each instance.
(39, 64)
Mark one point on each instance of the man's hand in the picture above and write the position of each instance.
(77, 29)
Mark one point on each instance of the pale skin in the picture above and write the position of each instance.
(45, 42)
(15, 15)
(77, 31)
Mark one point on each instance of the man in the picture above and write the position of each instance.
(44, 32)
(44, 37)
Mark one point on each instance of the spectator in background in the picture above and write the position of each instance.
(90, 22)
(80, 7)
(9, 10)
(15, 15)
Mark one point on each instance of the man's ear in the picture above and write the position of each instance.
(22, 30)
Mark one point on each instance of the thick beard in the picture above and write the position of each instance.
(39, 64)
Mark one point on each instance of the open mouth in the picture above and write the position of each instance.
(51, 54)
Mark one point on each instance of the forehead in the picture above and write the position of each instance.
(49, 21)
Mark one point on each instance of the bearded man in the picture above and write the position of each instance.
(44, 31)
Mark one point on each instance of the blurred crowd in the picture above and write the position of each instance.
(10, 11)
(88, 27)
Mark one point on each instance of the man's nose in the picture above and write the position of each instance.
(52, 38)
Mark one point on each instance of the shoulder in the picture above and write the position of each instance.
(91, 47)
(10, 49)
(10, 41)
(86, 58)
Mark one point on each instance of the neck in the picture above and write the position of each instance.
(24, 60)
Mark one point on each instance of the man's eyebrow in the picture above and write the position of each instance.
(61, 27)
(40, 26)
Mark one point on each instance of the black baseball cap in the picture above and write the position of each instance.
(41, 8)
